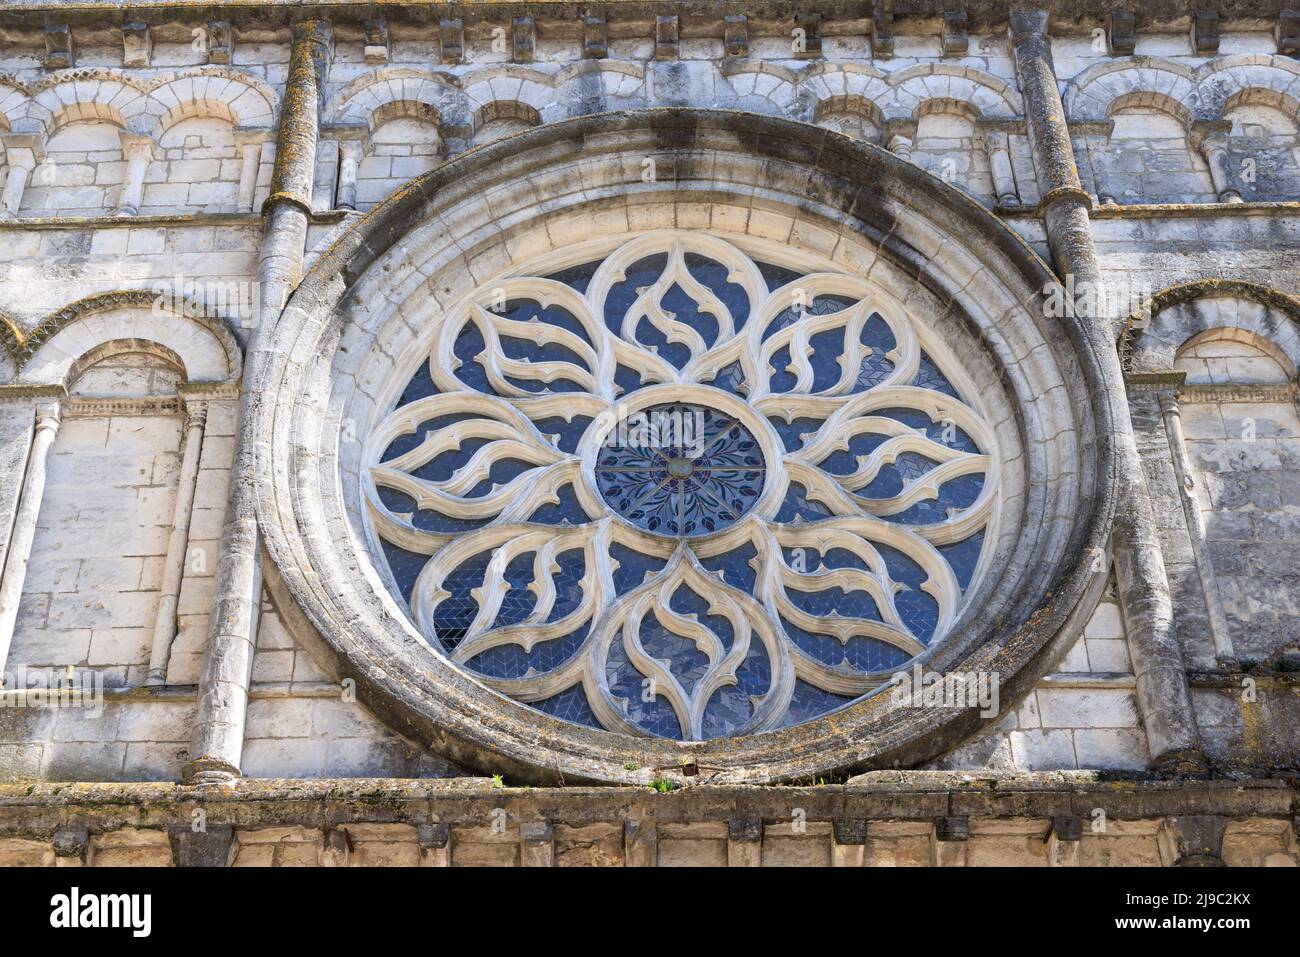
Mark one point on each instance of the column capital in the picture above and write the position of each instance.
(196, 414)
(19, 391)
(250, 136)
(995, 140)
(23, 149)
(136, 144)
(49, 414)
(1166, 382)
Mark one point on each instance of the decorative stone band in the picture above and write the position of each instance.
(1220, 394)
(885, 818)
(811, 193)
(134, 405)
(1062, 193)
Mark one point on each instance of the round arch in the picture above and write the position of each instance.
(746, 178)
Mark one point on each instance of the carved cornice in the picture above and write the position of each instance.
(1221, 394)
(122, 405)
(1154, 382)
(22, 391)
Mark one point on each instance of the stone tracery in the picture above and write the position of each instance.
(866, 487)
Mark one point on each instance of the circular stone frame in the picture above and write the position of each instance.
(326, 370)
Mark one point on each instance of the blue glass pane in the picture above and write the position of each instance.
(928, 376)
(645, 707)
(421, 386)
(577, 277)
(777, 276)
(405, 566)
(570, 705)
(714, 275)
(798, 507)
(735, 566)
(511, 661)
(809, 702)
(964, 557)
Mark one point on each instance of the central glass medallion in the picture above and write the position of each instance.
(680, 469)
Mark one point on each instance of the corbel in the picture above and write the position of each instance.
(221, 41)
(595, 38)
(1122, 33)
(736, 35)
(666, 40)
(808, 40)
(452, 35)
(1205, 32)
(137, 44)
(523, 39)
(1288, 32)
(376, 47)
(956, 41)
(59, 53)
(882, 30)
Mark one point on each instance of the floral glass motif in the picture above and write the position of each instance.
(816, 527)
(691, 472)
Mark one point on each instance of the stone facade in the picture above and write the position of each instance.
(220, 245)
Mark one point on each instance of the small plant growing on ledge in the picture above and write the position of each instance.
(498, 781)
(664, 785)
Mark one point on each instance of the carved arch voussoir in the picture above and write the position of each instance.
(1154, 333)
(24, 346)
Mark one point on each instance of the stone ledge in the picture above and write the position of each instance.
(43, 809)
(323, 217)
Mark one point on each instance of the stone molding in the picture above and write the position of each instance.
(1163, 822)
(449, 710)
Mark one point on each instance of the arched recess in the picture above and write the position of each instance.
(759, 86)
(1263, 143)
(502, 118)
(80, 117)
(513, 84)
(404, 112)
(991, 96)
(947, 144)
(595, 86)
(109, 586)
(1151, 156)
(87, 95)
(1230, 352)
(847, 98)
(851, 115)
(14, 96)
(1090, 95)
(205, 345)
(196, 152)
(242, 99)
(364, 313)
(1221, 79)
(1162, 326)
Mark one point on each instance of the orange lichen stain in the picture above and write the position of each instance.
(1252, 735)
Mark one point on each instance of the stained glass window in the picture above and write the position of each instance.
(682, 491)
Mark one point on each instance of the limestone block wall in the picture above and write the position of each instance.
(1082, 715)
(197, 138)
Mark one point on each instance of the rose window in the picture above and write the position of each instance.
(682, 491)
